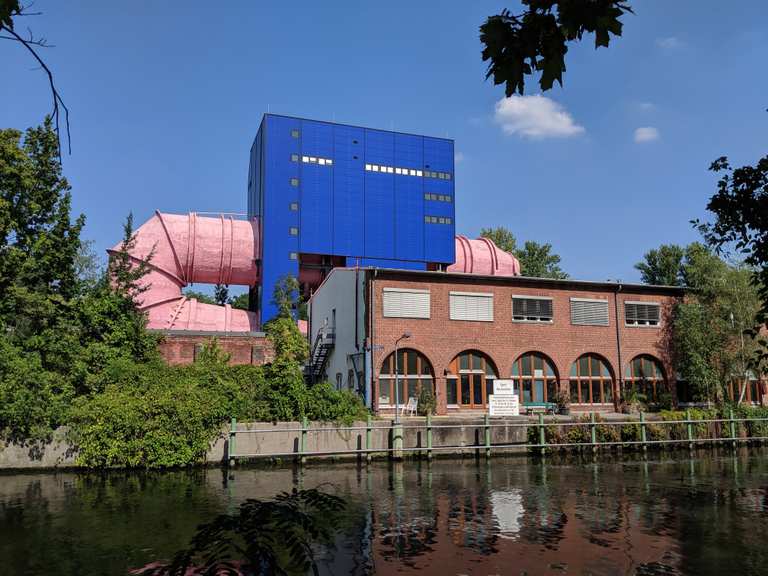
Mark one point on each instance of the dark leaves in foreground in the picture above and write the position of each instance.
(536, 40)
(262, 537)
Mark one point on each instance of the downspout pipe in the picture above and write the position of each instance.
(620, 369)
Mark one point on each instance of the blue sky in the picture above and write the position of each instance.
(166, 97)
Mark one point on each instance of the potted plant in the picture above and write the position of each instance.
(563, 402)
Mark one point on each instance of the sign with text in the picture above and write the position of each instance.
(504, 405)
(503, 387)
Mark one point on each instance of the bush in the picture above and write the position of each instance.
(427, 401)
(152, 415)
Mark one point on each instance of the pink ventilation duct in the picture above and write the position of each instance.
(483, 257)
(191, 248)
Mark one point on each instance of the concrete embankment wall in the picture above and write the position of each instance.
(285, 438)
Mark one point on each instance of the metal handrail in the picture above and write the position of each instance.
(487, 425)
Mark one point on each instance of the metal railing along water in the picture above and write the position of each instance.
(395, 431)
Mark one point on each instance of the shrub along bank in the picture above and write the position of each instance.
(655, 430)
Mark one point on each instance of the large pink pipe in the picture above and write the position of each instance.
(482, 256)
(190, 248)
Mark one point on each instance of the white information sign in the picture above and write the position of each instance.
(504, 405)
(503, 387)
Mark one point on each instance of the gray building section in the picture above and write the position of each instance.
(337, 332)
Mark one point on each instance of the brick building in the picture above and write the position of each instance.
(588, 339)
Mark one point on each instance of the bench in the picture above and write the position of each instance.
(546, 407)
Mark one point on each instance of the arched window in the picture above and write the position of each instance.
(470, 380)
(591, 381)
(646, 376)
(535, 378)
(414, 371)
(752, 391)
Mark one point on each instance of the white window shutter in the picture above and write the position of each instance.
(471, 306)
(589, 312)
(399, 303)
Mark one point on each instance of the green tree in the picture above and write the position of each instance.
(663, 266)
(221, 294)
(199, 296)
(39, 244)
(536, 260)
(536, 41)
(707, 327)
(740, 207)
(502, 237)
(240, 301)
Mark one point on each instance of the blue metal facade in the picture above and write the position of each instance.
(375, 197)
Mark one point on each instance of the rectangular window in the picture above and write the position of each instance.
(293, 255)
(390, 170)
(398, 171)
(426, 219)
(531, 309)
(293, 231)
(426, 195)
(406, 303)
(295, 133)
(294, 157)
(368, 167)
(321, 161)
(418, 172)
(642, 313)
(294, 206)
(475, 306)
(450, 389)
(294, 182)
(588, 312)
(448, 220)
(328, 162)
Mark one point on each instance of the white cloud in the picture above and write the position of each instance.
(458, 157)
(535, 117)
(646, 134)
(670, 42)
(646, 106)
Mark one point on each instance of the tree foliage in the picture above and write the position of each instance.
(706, 328)
(536, 260)
(740, 207)
(263, 537)
(536, 41)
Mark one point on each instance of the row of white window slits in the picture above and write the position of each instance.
(401, 303)
(407, 171)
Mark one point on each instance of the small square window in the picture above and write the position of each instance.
(447, 220)
(329, 162)
(294, 157)
(434, 219)
(441, 175)
(375, 167)
(441, 220)
(293, 231)
(368, 167)
(294, 181)
(426, 219)
(418, 173)
(413, 172)
(433, 196)
(447, 176)
(398, 171)
(305, 159)
(426, 195)
(447, 198)
(312, 160)
(441, 198)
(321, 161)
(294, 206)
(390, 170)
(293, 255)
(434, 174)
(295, 133)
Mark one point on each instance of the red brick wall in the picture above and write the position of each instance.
(440, 339)
(180, 349)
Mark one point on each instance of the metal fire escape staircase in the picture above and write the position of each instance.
(318, 358)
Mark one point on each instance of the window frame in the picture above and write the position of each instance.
(403, 376)
(640, 303)
(527, 319)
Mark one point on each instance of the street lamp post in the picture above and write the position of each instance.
(405, 336)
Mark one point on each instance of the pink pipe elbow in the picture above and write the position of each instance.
(482, 256)
(191, 248)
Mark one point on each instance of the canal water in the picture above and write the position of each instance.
(667, 514)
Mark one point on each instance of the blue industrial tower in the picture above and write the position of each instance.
(330, 195)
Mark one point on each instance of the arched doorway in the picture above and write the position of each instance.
(470, 379)
(535, 378)
(591, 381)
(645, 376)
(414, 372)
